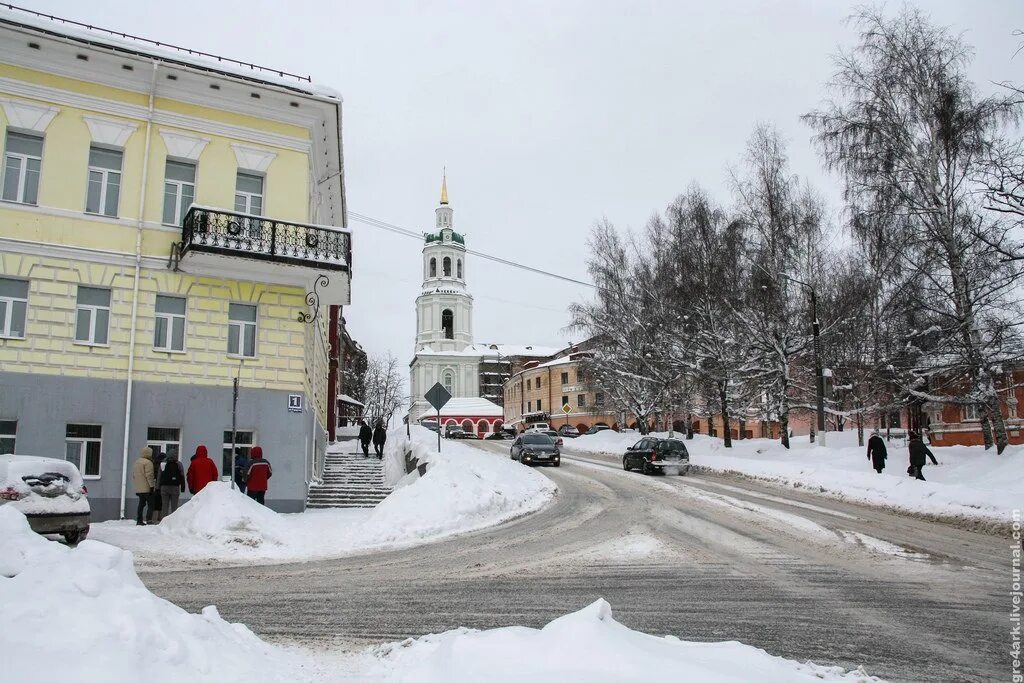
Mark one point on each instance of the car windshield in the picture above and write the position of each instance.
(538, 439)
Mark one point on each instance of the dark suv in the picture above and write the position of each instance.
(651, 455)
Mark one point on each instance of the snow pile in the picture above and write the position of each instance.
(83, 615)
(970, 483)
(591, 646)
(464, 489)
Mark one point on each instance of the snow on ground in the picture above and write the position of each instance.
(969, 483)
(464, 489)
(87, 607)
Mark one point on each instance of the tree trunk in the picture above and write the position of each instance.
(998, 424)
(986, 428)
(860, 427)
(689, 426)
(726, 425)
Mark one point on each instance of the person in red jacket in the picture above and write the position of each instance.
(258, 475)
(201, 471)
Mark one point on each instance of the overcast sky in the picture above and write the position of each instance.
(549, 116)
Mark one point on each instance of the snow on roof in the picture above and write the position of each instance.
(169, 53)
(345, 398)
(468, 407)
(565, 360)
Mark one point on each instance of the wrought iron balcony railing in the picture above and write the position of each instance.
(235, 234)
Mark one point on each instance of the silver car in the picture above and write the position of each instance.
(536, 448)
(50, 492)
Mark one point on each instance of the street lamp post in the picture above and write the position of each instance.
(819, 372)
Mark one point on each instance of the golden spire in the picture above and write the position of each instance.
(444, 186)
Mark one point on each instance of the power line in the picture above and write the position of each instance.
(405, 232)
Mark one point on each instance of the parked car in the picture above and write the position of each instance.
(651, 455)
(568, 431)
(597, 428)
(538, 427)
(501, 435)
(50, 492)
(554, 435)
(534, 448)
(454, 432)
(430, 424)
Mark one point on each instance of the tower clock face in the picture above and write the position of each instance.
(447, 237)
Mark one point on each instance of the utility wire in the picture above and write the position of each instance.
(398, 230)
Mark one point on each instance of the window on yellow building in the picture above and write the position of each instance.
(83, 445)
(565, 378)
(92, 317)
(581, 400)
(249, 200)
(242, 330)
(179, 190)
(599, 399)
(23, 157)
(104, 191)
(13, 305)
(528, 384)
(169, 326)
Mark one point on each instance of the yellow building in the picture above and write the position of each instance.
(543, 388)
(169, 222)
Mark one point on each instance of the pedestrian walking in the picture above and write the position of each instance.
(379, 437)
(365, 435)
(144, 482)
(877, 452)
(241, 467)
(172, 484)
(918, 453)
(257, 477)
(201, 471)
(155, 504)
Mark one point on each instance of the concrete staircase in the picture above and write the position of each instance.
(350, 480)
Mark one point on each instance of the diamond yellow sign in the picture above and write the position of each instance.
(566, 408)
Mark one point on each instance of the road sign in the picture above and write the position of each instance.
(566, 408)
(437, 396)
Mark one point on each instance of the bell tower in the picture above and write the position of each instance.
(444, 308)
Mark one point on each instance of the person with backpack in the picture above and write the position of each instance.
(379, 437)
(241, 467)
(257, 476)
(201, 471)
(172, 484)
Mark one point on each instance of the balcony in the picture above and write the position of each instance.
(222, 243)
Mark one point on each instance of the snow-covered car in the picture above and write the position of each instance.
(597, 428)
(651, 455)
(568, 431)
(50, 492)
(535, 448)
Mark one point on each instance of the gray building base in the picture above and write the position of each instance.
(43, 405)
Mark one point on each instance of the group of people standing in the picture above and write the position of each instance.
(877, 454)
(159, 479)
(378, 435)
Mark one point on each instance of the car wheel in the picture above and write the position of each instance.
(73, 538)
(625, 464)
(647, 467)
(557, 464)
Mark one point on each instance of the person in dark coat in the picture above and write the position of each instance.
(257, 477)
(379, 437)
(365, 435)
(156, 505)
(877, 452)
(241, 467)
(171, 484)
(918, 452)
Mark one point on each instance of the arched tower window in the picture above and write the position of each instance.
(449, 383)
(448, 323)
(458, 269)
(433, 267)
(447, 266)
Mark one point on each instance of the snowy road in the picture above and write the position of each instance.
(700, 557)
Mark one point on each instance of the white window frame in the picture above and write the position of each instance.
(93, 308)
(448, 381)
(6, 321)
(10, 436)
(23, 170)
(229, 472)
(970, 412)
(105, 184)
(581, 400)
(242, 325)
(179, 213)
(170, 318)
(248, 196)
(84, 441)
(162, 444)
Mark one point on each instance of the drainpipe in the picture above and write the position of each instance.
(135, 288)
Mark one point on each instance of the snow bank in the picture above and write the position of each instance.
(83, 615)
(464, 489)
(591, 646)
(970, 483)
